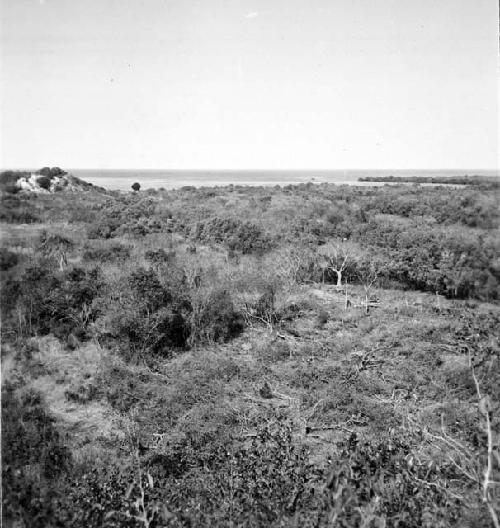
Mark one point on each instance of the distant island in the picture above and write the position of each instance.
(490, 181)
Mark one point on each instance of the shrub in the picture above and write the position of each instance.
(381, 482)
(138, 228)
(44, 182)
(149, 291)
(8, 180)
(57, 171)
(33, 455)
(157, 333)
(451, 261)
(274, 351)
(18, 209)
(102, 230)
(235, 234)
(98, 498)
(111, 253)
(57, 302)
(51, 172)
(135, 217)
(210, 483)
(321, 318)
(44, 171)
(217, 319)
(8, 259)
(147, 316)
(158, 257)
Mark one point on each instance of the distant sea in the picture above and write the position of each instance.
(174, 179)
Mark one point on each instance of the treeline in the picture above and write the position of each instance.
(485, 181)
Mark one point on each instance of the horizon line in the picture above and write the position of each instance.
(166, 169)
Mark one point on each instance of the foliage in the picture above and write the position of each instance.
(8, 180)
(48, 301)
(36, 456)
(51, 172)
(44, 182)
(18, 209)
(236, 234)
(147, 316)
(135, 217)
(159, 256)
(8, 259)
(450, 261)
(109, 253)
(384, 484)
(217, 320)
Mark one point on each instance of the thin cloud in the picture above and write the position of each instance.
(252, 14)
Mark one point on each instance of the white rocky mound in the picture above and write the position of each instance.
(45, 184)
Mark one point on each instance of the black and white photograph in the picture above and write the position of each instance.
(250, 263)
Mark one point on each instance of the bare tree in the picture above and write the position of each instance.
(368, 274)
(291, 266)
(336, 255)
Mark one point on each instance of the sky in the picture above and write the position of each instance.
(249, 84)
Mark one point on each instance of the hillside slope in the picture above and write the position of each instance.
(186, 359)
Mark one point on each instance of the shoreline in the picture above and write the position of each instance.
(170, 180)
(124, 184)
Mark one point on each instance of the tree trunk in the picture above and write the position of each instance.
(347, 302)
(339, 278)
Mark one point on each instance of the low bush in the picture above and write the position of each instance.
(37, 456)
(108, 253)
(384, 484)
(50, 301)
(102, 229)
(159, 257)
(217, 320)
(274, 351)
(44, 182)
(237, 235)
(50, 173)
(8, 180)
(8, 259)
(147, 317)
(263, 483)
(18, 209)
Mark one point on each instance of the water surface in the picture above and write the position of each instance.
(118, 179)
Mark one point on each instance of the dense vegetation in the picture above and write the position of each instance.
(485, 182)
(310, 355)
